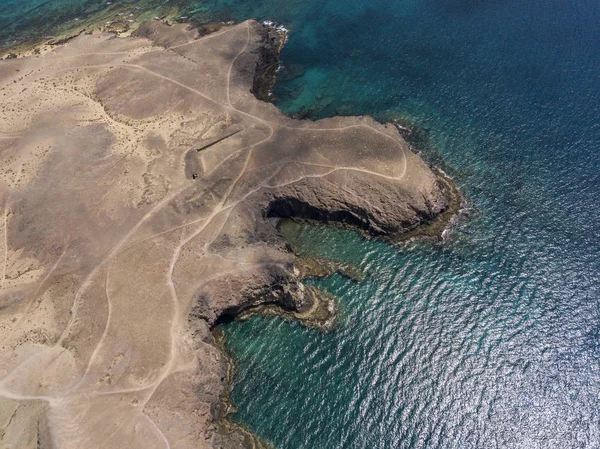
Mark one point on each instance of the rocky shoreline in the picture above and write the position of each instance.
(143, 182)
(273, 38)
(319, 311)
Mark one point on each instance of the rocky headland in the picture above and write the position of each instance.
(141, 185)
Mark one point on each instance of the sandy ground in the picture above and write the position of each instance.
(137, 174)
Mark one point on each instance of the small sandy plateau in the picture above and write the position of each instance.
(139, 181)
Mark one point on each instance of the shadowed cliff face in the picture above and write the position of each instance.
(139, 175)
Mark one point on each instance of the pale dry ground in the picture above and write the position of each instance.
(135, 177)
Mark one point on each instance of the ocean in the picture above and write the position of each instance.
(490, 339)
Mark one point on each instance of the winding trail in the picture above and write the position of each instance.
(192, 228)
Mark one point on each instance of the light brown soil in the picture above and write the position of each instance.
(137, 177)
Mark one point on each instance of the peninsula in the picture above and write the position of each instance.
(141, 185)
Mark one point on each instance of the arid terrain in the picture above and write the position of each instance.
(141, 183)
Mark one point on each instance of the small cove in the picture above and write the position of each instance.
(491, 339)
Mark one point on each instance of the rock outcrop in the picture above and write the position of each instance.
(141, 181)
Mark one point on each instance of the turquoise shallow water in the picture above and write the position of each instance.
(491, 340)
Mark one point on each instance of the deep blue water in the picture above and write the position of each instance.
(492, 339)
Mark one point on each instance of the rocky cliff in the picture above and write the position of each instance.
(141, 182)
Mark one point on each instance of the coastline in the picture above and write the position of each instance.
(436, 229)
(225, 427)
(278, 282)
(312, 317)
(121, 19)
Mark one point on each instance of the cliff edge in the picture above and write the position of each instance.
(141, 181)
